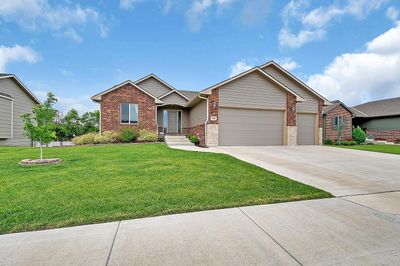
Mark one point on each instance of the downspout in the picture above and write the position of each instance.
(100, 119)
(205, 124)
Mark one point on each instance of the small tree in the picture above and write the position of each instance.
(71, 124)
(90, 122)
(39, 125)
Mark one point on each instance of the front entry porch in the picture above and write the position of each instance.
(172, 120)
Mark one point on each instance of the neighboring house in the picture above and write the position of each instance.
(265, 105)
(380, 119)
(15, 100)
(337, 121)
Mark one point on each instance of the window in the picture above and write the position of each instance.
(339, 122)
(129, 113)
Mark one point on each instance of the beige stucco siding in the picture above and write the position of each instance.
(252, 91)
(154, 87)
(174, 98)
(22, 104)
(311, 103)
(198, 114)
(5, 117)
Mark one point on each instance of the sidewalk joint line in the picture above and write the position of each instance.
(273, 239)
(362, 205)
(112, 244)
(372, 193)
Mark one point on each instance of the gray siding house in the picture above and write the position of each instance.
(265, 105)
(15, 100)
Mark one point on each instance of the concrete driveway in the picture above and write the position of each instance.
(341, 172)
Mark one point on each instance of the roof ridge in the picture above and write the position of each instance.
(381, 100)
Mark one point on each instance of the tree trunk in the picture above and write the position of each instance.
(41, 151)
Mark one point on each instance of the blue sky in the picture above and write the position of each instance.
(348, 50)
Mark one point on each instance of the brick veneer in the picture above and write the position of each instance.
(388, 135)
(330, 132)
(213, 108)
(291, 110)
(320, 118)
(110, 108)
(200, 132)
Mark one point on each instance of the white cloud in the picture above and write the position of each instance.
(368, 75)
(199, 10)
(291, 40)
(41, 15)
(15, 54)
(240, 67)
(196, 13)
(313, 23)
(393, 13)
(128, 4)
(287, 63)
(255, 11)
(81, 104)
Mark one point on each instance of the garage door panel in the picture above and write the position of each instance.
(306, 129)
(250, 127)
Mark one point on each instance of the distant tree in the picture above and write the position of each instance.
(71, 125)
(90, 122)
(39, 125)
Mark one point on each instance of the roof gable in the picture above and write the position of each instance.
(335, 104)
(97, 97)
(295, 79)
(174, 92)
(255, 69)
(21, 85)
(154, 85)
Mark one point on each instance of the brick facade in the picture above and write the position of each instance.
(291, 110)
(388, 135)
(320, 118)
(110, 108)
(330, 132)
(200, 132)
(213, 108)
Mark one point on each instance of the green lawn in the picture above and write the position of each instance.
(393, 149)
(106, 183)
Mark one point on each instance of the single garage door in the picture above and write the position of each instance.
(249, 127)
(306, 129)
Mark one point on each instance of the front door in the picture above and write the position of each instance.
(172, 121)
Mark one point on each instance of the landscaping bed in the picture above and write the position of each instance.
(103, 183)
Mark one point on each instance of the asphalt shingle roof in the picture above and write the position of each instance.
(189, 94)
(387, 107)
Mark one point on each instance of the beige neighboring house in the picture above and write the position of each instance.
(266, 105)
(15, 100)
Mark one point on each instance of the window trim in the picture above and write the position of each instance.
(129, 114)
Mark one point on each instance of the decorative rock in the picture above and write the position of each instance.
(28, 162)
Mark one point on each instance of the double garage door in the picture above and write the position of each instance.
(251, 127)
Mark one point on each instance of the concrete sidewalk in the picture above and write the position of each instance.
(357, 230)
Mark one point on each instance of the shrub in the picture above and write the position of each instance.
(147, 136)
(161, 138)
(85, 139)
(194, 139)
(328, 141)
(127, 135)
(359, 135)
(349, 143)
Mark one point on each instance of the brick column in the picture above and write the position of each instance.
(320, 121)
(291, 120)
(213, 117)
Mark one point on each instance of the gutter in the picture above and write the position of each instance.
(205, 124)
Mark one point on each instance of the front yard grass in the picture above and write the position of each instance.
(97, 184)
(393, 149)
